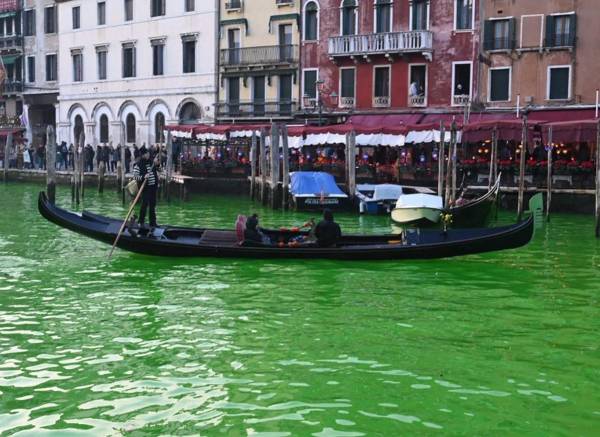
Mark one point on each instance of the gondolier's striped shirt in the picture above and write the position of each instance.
(139, 171)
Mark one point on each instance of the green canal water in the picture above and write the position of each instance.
(497, 344)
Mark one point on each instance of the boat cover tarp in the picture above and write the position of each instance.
(314, 183)
(420, 201)
(380, 191)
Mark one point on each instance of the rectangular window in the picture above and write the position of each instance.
(559, 83)
(285, 94)
(101, 13)
(464, 14)
(31, 69)
(77, 66)
(128, 60)
(189, 56)
(76, 13)
(157, 8)
(8, 22)
(29, 22)
(560, 30)
(190, 5)
(158, 54)
(50, 20)
(258, 95)
(383, 16)
(419, 15)
(500, 85)
(101, 58)
(233, 45)
(128, 10)
(347, 76)
(51, 68)
(461, 83)
(309, 86)
(233, 96)
(499, 34)
(417, 89)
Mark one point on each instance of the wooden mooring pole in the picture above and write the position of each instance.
(81, 165)
(123, 170)
(441, 159)
(7, 148)
(448, 176)
(169, 172)
(522, 159)
(51, 164)
(549, 175)
(492, 177)
(274, 164)
(351, 163)
(453, 141)
(598, 180)
(253, 144)
(285, 167)
(263, 165)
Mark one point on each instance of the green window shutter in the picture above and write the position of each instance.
(488, 35)
(573, 30)
(549, 31)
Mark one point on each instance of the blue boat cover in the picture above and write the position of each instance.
(313, 183)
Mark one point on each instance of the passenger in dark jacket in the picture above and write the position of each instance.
(252, 233)
(328, 232)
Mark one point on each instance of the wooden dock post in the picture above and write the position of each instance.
(598, 180)
(121, 187)
(263, 165)
(285, 167)
(441, 159)
(449, 165)
(493, 151)
(549, 175)
(7, 147)
(453, 141)
(169, 170)
(101, 172)
(51, 164)
(274, 164)
(351, 163)
(81, 165)
(522, 168)
(253, 165)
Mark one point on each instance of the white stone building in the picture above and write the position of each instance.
(128, 67)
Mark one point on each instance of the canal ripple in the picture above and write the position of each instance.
(502, 343)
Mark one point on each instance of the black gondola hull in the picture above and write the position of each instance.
(191, 242)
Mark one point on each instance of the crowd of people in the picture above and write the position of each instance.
(30, 157)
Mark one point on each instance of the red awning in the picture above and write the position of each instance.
(14, 131)
(507, 130)
(582, 131)
(384, 119)
(560, 115)
(432, 121)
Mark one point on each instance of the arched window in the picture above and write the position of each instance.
(311, 21)
(159, 127)
(130, 125)
(189, 113)
(349, 17)
(383, 16)
(78, 130)
(103, 128)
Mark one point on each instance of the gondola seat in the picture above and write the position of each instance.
(218, 238)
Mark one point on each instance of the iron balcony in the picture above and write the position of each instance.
(256, 109)
(260, 56)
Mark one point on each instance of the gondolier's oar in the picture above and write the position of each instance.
(137, 197)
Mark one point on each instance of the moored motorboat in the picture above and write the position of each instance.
(173, 241)
(382, 198)
(418, 209)
(316, 190)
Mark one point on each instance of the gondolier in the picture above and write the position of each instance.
(146, 169)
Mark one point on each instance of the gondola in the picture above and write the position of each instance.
(476, 212)
(172, 241)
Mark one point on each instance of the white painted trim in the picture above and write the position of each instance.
(375, 18)
(500, 18)
(389, 68)
(454, 64)
(553, 67)
(356, 10)
(302, 85)
(340, 85)
(556, 14)
(426, 79)
(474, 3)
(543, 25)
(410, 15)
(304, 20)
(489, 84)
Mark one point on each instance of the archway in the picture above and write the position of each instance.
(78, 128)
(103, 128)
(190, 113)
(130, 128)
(159, 127)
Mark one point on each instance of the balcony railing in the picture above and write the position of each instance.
(381, 43)
(460, 100)
(11, 87)
(11, 42)
(416, 101)
(381, 102)
(347, 102)
(256, 109)
(232, 5)
(266, 55)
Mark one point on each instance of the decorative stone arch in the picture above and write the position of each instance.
(77, 116)
(155, 108)
(130, 108)
(184, 104)
(102, 108)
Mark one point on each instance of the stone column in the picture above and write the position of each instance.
(143, 133)
(90, 133)
(64, 133)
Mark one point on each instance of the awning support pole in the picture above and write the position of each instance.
(522, 168)
(441, 160)
(549, 175)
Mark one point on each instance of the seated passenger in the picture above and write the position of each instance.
(328, 232)
(252, 233)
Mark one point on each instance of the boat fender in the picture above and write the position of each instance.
(362, 207)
